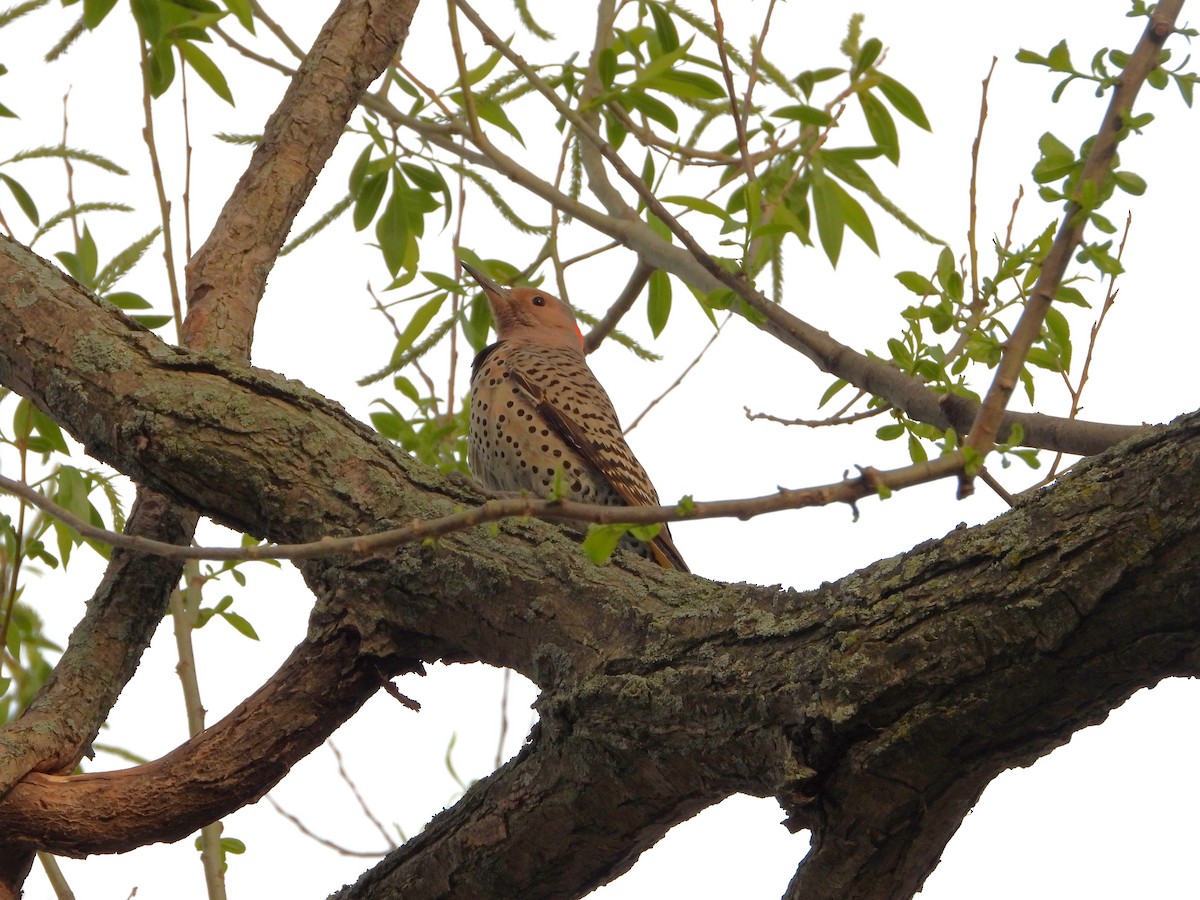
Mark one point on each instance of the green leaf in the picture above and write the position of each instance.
(699, 204)
(437, 279)
(890, 432)
(88, 256)
(94, 11)
(151, 322)
(392, 230)
(1044, 359)
(416, 325)
(127, 300)
(358, 172)
(659, 306)
(367, 202)
(916, 450)
(161, 67)
(832, 391)
(687, 85)
(602, 540)
(809, 115)
(1130, 183)
(1059, 58)
(901, 355)
(481, 71)
(870, 51)
(242, 11)
(651, 107)
(51, 435)
(945, 266)
(614, 130)
(664, 27)
(1052, 148)
(831, 221)
(1068, 294)
(606, 67)
(903, 101)
(203, 65)
(881, 125)
(240, 625)
(407, 388)
(22, 197)
(491, 111)
(857, 219)
(917, 283)
(1060, 333)
(807, 80)
(147, 15)
(23, 421)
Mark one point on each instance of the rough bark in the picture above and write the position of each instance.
(225, 283)
(876, 708)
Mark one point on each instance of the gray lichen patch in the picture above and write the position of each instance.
(99, 353)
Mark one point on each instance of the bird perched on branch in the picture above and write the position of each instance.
(540, 419)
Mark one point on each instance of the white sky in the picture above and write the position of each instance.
(1106, 816)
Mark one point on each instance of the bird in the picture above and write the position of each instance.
(540, 420)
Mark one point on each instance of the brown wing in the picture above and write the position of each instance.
(579, 410)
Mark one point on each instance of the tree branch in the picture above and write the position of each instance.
(693, 264)
(225, 282)
(889, 697)
(1097, 169)
(227, 766)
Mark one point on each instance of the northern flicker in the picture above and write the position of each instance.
(539, 417)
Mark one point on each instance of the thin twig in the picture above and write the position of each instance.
(820, 423)
(973, 207)
(682, 375)
(187, 161)
(362, 803)
(54, 874)
(70, 173)
(164, 205)
(846, 491)
(276, 29)
(252, 55)
(755, 63)
(738, 122)
(1076, 393)
(14, 570)
(323, 841)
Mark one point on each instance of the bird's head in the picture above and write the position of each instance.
(529, 315)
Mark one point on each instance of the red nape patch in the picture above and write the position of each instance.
(579, 334)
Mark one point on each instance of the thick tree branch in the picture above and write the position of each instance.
(227, 766)
(227, 275)
(876, 709)
(889, 697)
(225, 283)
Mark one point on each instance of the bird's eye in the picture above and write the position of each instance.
(539, 300)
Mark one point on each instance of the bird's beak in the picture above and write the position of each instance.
(486, 283)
